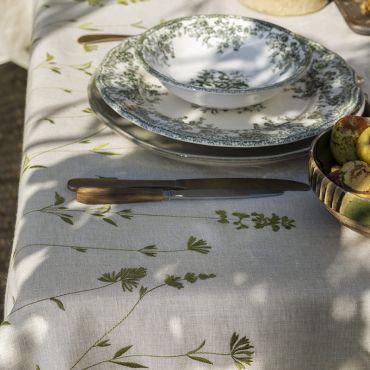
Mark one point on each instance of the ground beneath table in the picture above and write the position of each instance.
(12, 100)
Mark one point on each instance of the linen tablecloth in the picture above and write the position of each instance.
(274, 282)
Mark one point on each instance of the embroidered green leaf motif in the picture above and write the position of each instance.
(94, 2)
(88, 26)
(5, 323)
(287, 223)
(103, 343)
(86, 141)
(97, 149)
(261, 221)
(58, 302)
(110, 277)
(191, 278)
(94, 212)
(80, 249)
(200, 359)
(126, 213)
(25, 164)
(240, 351)
(149, 250)
(206, 276)
(239, 222)
(49, 120)
(87, 110)
(275, 221)
(38, 367)
(104, 209)
(222, 216)
(132, 365)
(56, 70)
(58, 199)
(174, 281)
(38, 166)
(142, 291)
(84, 66)
(130, 277)
(67, 90)
(199, 246)
(91, 2)
(121, 351)
(26, 160)
(109, 221)
(49, 57)
(66, 219)
(90, 47)
(138, 25)
(126, 2)
(198, 348)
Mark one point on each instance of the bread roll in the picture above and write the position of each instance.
(285, 7)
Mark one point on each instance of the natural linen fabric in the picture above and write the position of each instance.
(166, 285)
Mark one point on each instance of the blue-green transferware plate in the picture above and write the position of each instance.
(303, 110)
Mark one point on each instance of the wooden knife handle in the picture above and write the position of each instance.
(74, 184)
(96, 38)
(91, 195)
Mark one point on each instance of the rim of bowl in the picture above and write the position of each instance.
(312, 155)
(301, 70)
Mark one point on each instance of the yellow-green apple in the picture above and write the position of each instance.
(363, 146)
(344, 137)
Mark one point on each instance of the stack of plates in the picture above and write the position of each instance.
(137, 105)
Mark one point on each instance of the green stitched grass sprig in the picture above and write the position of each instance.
(258, 220)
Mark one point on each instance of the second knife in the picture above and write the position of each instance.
(204, 183)
(132, 195)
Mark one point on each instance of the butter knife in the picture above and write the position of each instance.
(204, 183)
(131, 195)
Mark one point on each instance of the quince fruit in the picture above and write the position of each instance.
(356, 176)
(344, 138)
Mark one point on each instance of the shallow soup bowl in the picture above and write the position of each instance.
(223, 61)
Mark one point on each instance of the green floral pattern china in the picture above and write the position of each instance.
(194, 56)
(304, 109)
(193, 153)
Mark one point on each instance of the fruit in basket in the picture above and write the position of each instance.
(363, 146)
(344, 139)
(356, 176)
(336, 177)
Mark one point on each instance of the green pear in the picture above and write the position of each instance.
(344, 137)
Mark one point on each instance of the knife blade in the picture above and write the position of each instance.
(204, 183)
(91, 195)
